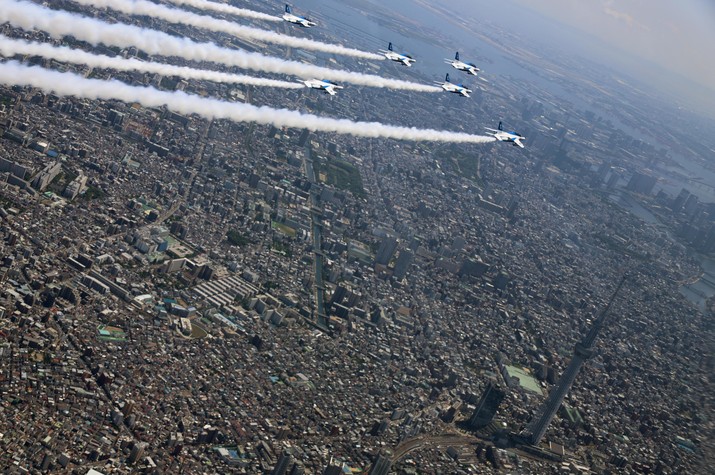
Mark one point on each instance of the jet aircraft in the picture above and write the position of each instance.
(456, 63)
(324, 85)
(455, 88)
(400, 58)
(514, 137)
(297, 20)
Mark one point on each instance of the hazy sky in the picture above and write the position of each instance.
(676, 35)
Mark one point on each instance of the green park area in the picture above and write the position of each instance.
(462, 163)
(339, 173)
(287, 230)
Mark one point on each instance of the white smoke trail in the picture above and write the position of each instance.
(67, 84)
(224, 8)
(28, 15)
(10, 47)
(173, 15)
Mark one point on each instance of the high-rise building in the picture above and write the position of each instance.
(386, 250)
(474, 267)
(679, 202)
(282, 465)
(583, 351)
(338, 295)
(458, 243)
(381, 466)
(403, 264)
(614, 178)
(303, 139)
(641, 183)
(137, 452)
(691, 205)
(297, 469)
(487, 407)
(46, 176)
(333, 470)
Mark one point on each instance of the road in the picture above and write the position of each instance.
(433, 441)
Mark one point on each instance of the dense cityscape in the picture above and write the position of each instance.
(184, 295)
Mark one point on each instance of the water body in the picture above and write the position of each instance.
(625, 201)
(705, 190)
(704, 288)
(697, 292)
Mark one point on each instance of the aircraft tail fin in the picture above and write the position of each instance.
(389, 46)
(446, 78)
(288, 8)
(501, 127)
(456, 56)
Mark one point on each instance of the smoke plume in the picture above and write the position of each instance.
(10, 47)
(68, 84)
(174, 15)
(28, 15)
(224, 8)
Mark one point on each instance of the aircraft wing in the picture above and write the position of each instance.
(518, 143)
(332, 89)
(407, 61)
(464, 92)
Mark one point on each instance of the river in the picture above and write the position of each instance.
(697, 292)
(704, 288)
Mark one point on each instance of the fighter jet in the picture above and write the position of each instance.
(514, 137)
(400, 58)
(456, 63)
(324, 85)
(455, 88)
(297, 20)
